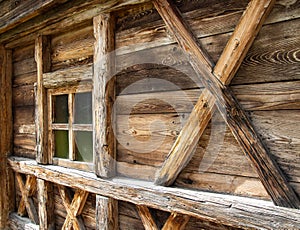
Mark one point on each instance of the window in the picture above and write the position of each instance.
(70, 129)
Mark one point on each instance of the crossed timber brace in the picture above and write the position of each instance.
(215, 81)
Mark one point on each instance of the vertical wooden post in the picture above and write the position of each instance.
(106, 213)
(46, 205)
(7, 194)
(103, 100)
(104, 96)
(43, 60)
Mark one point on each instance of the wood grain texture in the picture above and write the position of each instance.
(146, 217)
(229, 210)
(16, 223)
(107, 215)
(104, 96)
(176, 222)
(6, 136)
(46, 205)
(42, 57)
(275, 183)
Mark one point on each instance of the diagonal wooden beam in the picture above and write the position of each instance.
(30, 187)
(230, 60)
(176, 221)
(146, 217)
(32, 213)
(270, 174)
(74, 208)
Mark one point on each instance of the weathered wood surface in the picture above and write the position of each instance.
(276, 185)
(6, 136)
(176, 221)
(45, 205)
(70, 76)
(231, 210)
(104, 96)
(146, 217)
(17, 223)
(107, 215)
(43, 61)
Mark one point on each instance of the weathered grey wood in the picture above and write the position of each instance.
(42, 58)
(17, 222)
(176, 222)
(226, 209)
(146, 217)
(104, 96)
(46, 205)
(270, 174)
(107, 215)
(6, 136)
(27, 200)
(70, 76)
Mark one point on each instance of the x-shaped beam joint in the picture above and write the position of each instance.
(26, 203)
(73, 207)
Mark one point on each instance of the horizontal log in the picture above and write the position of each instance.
(23, 115)
(68, 76)
(16, 223)
(232, 210)
(24, 66)
(23, 95)
(25, 79)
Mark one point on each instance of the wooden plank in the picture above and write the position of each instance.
(17, 222)
(30, 208)
(6, 136)
(70, 76)
(107, 215)
(176, 222)
(42, 57)
(146, 217)
(46, 205)
(104, 96)
(270, 174)
(225, 209)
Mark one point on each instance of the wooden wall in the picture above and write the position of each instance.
(267, 85)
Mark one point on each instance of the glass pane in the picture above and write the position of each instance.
(83, 108)
(84, 146)
(61, 113)
(61, 144)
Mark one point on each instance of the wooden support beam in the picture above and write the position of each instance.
(176, 221)
(230, 60)
(229, 210)
(7, 194)
(27, 200)
(46, 205)
(43, 60)
(104, 96)
(73, 207)
(270, 174)
(146, 217)
(107, 217)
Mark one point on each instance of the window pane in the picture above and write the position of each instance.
(61, 144)
(84, 146)
(83, 108)
(61, 113)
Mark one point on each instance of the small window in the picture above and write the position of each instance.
(70, 128)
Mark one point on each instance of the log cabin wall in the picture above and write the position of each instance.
(156, 90)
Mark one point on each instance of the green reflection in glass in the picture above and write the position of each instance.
(61, 144)
(83, 108)
(61, 113)
(84, 146)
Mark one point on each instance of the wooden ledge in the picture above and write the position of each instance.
(224, 209)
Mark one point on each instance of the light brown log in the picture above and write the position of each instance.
(104, 96)
(6, 136)
(42, 58)
(107, 215)
(30, 186)
(176, 221)
(225, 209)
(46, 205)
(30, 208)
(146, 217)
(270, 174)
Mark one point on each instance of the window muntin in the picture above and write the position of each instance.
(70, 127)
